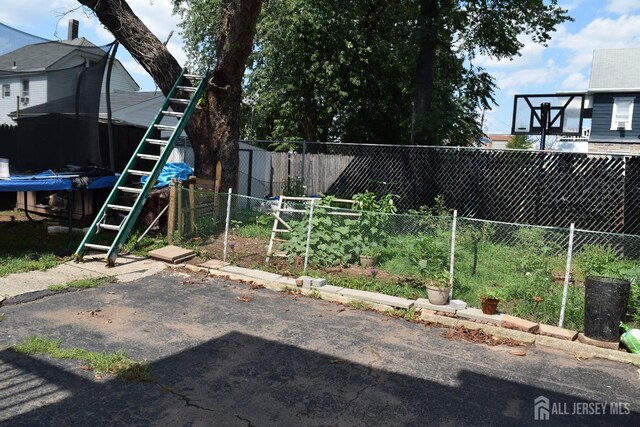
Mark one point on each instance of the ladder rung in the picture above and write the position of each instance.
(148, 157)
(275, 239)
(109, 227)
(140, 173)
(281, 254)
(173, 113)
(180, 100)
(130, 190)
(157, 141)
(164, 127)
(97, 247)
(120, 208)
(293, 210)
(282, 231)
(193, 76)
(187, 88)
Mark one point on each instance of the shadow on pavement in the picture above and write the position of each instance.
(239, 379)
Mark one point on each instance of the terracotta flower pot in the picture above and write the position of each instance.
(489, 305)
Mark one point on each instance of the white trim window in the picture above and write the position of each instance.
(622, 114)
(6, 90)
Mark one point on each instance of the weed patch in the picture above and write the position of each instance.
(91, 282)
(117, 363)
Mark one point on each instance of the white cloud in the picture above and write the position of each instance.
(623, 6)
(575, 81)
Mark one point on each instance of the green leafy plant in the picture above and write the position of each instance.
(598, 260)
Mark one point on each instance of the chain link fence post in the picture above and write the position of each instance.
(453, 250)
(567, 275)
(226, 227)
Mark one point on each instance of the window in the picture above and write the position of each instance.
(25, 88)
(6, 91)
(622, 113)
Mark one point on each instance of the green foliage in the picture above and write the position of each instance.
(520, 142)
(535, 253)
(26, 261)
(335, 70)
(597, 260)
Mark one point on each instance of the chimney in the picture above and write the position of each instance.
(73, 29)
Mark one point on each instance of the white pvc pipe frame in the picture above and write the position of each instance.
(567, 275)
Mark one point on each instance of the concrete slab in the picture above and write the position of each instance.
(556, 332)
(215, 264)
(512, 322)
(602, 344)
(329, 289)
(288, 281)
(172, 254)
(318, 282)
(458, 304)
(307, 282)
(477, 314)
(424, 303)
(127, 267)
(256, 274)
(377, 298)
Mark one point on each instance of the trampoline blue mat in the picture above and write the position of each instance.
(51, 181)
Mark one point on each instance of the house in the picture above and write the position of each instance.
(48, 71)
(613, 101)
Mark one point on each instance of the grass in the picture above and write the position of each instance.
(117, 363)
(519, 274)
(88, 283)
(360, 305)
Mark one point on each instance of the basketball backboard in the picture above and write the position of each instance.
(562, 113)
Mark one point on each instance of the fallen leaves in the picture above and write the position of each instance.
(244, 298)
(477, 336)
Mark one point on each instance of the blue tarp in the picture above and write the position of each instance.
(180, 171)
(51, 181)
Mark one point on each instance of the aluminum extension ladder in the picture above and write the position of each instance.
(127, 198)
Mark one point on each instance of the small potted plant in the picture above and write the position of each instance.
(489, 301)
(369, 256)
(439, 288)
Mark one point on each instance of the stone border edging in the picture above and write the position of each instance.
(577, 348)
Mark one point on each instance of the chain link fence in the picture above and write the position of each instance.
(596, 192)
(537, 272)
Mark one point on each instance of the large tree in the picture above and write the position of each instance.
(384, 70)
(453, 32)
(214, 129)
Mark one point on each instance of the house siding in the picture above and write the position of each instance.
(601, 121)
(37, 95)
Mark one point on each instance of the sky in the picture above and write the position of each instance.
(563, 65)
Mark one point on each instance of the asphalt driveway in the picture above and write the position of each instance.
(225, 354)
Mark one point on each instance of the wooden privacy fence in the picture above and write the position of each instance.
(319, 173)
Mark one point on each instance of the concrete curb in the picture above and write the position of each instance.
(578, 349)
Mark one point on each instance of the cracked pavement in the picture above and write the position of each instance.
(224, 353)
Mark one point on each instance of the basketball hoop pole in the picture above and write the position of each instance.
(545, 109)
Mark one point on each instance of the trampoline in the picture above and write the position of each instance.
(54, 181)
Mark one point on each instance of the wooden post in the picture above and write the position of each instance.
(192, 203)
(180, 210)
(171, 220)
(216, 192)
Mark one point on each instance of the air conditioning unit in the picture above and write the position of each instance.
(622, 125)
(24, 100)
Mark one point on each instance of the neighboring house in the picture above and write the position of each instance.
(613, 101)
(498, 141)
(35, 74)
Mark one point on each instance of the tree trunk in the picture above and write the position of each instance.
(423, 89)
(214, 130)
